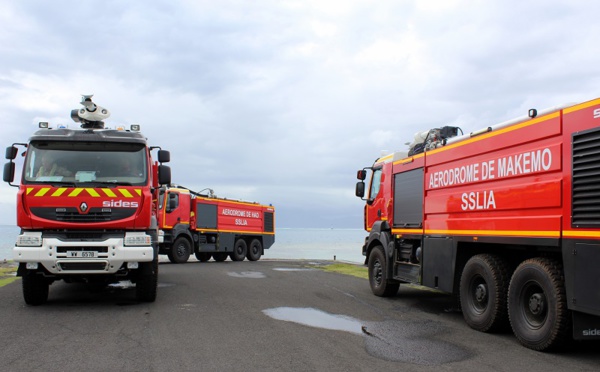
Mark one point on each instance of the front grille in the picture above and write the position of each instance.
(586, 179)
(83, 266)
(82, 249)
(83, 236)
(72, 214)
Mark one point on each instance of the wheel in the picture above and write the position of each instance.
(202, 256)
(380, 284)
(147, 281)
(483, 290)
(220, 256)
(35, 288)
(180, 251)
(239, 250)
(537, 304)
(255, 250)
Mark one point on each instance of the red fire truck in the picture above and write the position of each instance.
(85, 206)
(212, 227)
(507, 218)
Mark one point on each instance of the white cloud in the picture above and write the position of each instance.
(282, 101)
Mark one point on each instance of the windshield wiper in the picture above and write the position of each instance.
(113, 183)
(63, 184)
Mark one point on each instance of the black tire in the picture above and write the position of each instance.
(381, 285)
(147, 281)
(537, 304)
(255, 250)
(180, 251)
(35, 288)
(220, 256)
(239, 250)
(202, 256)
(483, 291)
(170, 256)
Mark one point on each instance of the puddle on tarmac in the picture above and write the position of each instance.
(315, 318)
(413, 342)
(398, 341)
(247, 274)
(292, 269)
(124, 284)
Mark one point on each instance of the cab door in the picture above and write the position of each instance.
(177, 208)
(376, 208)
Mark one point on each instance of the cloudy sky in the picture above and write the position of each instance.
(282, 101)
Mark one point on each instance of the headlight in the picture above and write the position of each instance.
(137, 239)
(30, 239)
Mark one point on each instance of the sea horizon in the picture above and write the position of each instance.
(307, 243)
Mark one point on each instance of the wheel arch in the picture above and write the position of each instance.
(381, 235)
(181, 230)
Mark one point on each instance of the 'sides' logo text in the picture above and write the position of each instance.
(120, 204)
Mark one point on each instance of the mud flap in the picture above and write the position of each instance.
(586, 326)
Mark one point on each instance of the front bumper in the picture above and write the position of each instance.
(56, 256)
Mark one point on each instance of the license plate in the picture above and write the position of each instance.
(82, 254)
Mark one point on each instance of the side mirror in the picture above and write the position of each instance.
(11, 152)
(361, 174)
(9, 172)
(164, 156)
(360, 189)
(164, 174)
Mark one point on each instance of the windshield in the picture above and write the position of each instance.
(89, 162)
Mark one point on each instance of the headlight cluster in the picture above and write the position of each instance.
(30, 239)
(133, 239)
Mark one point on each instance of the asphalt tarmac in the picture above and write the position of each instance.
(258, 316)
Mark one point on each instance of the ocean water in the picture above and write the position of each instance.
(290, 243)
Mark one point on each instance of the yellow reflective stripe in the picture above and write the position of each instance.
(109, 193)
(407, 231)
(581, 234)
(581, 106)
(76, 191)
(92, 192)
(42, 191)
(62, 191)
(126, 193)
(554, 234)
(59, 191)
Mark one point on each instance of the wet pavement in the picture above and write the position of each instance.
(251, 316)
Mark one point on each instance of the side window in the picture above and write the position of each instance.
(173, 201)
(375, 183)
(161, 199)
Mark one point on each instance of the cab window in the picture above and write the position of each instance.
(375, 183)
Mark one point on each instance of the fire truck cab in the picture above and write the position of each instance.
(86, 206)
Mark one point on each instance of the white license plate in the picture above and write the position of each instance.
(82, 254)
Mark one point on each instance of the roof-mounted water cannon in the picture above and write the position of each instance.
(91, 116)
(431, 139)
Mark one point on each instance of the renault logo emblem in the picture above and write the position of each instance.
(83, 207)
